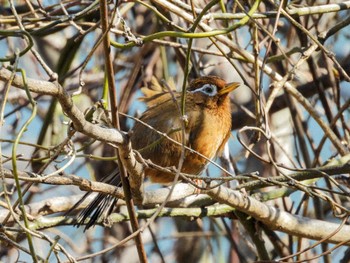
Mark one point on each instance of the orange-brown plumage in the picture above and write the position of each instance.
(207, 129)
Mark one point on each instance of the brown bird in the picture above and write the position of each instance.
(207, 129)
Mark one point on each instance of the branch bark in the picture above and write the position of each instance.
(277, 219)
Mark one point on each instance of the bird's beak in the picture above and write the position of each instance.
(229, 87)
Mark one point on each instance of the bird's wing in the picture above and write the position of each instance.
(155, 140)
(154, 92)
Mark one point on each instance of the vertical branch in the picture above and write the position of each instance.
(15, 170)
(257, 81)
(116, 124)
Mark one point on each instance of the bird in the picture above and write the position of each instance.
(206, 130)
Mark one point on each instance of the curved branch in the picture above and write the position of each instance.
(277, 219)
(70, 109)
(274, 218)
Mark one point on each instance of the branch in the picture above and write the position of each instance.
(333, 167)
(211, 211)
(274, 218)
(183, 196)
(277, 219)
(79, 123)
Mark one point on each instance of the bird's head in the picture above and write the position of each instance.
(210, 91)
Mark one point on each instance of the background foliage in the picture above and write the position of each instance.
(290, 134)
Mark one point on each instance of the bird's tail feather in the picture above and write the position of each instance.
(100, 207)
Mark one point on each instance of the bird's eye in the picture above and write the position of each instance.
(209, 89)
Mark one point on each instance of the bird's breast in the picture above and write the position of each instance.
(208, 137)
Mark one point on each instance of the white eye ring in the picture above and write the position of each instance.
(208, 89)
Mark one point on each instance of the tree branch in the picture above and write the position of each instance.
(277, 219)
